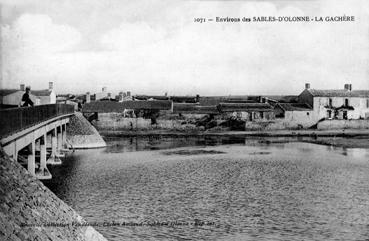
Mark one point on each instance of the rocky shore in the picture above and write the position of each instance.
(82, 135)
(29, 210)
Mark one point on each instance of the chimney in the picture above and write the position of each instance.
(348, 87)
(120, 96)
(51, 86)
(109, 95)
(88, 97)
(22, 87)
(128, 93)
(307, 85)
(103, 89)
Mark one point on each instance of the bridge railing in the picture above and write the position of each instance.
(16, 119)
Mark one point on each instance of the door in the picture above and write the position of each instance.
(345, 115)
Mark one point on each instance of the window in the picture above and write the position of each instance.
(330, 102)
(307, 113)
(345, 115)
(329, 114)
(367, 103)
(346, 102)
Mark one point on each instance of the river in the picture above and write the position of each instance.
(240, 189)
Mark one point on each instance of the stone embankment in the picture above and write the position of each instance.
(116, 122)
(82, 135)
(188, 123)
(25, 200)
(343, 124)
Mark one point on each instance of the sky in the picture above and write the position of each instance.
(155, 46)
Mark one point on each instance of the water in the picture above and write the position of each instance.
(251, 190)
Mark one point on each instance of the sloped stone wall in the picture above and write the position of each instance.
(81, 134)
(25, 200)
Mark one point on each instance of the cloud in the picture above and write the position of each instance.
(29, 43)
(39, 33)
(222, 58)
(131, 35)
(153, 48)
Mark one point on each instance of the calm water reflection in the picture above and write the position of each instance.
(253, 190)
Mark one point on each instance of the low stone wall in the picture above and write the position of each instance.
(25, 200)
(277, 124)
(81, 134)
(343, 124)
(116, 121)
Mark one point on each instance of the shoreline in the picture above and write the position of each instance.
(336, 138)
(277, 133)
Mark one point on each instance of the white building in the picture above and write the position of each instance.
(337, 104)
(125, 96)
(47, 96)
(13, 97)
(101, 95)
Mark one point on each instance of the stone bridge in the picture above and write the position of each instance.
(35, 136)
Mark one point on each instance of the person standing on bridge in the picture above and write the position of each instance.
(26, 99)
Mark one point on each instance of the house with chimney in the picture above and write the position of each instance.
(247, 111)
(343, 103)
(101, 95)
(46, 96)
(10, 98)
(124, 96)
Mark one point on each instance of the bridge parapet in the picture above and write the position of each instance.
(16, 119)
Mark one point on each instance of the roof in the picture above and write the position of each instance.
(294, 106)
(155, 97)
(283, 98)
(208, 100)
(81, 97)
(235, 100)
(112, 106)
(339, 93)
(194, 108)
(188, 99)
(5, 92)
(215, 100)
(231, 107)
(41, 92)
